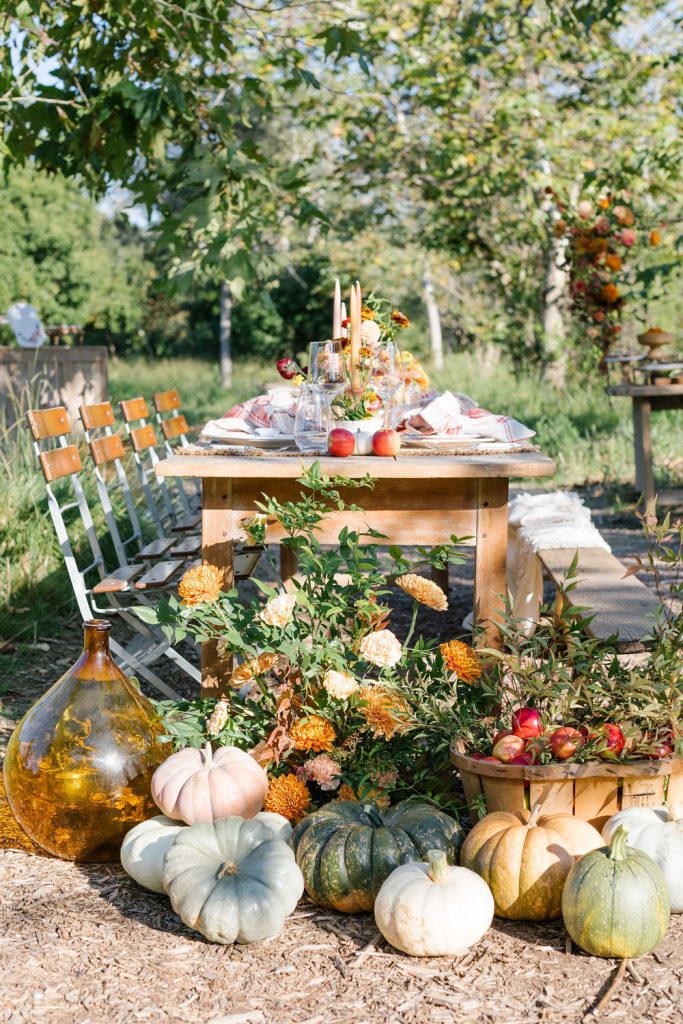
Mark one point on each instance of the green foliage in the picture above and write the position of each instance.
(75, 266)
(339, 602)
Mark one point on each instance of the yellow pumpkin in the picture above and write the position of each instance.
(525, 859)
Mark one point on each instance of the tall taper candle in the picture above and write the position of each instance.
(355, 318)
(336, 311)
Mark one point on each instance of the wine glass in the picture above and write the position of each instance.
(327, 367)
(388, 373)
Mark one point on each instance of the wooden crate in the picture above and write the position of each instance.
(593, 791)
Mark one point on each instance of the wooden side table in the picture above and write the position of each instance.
(646, 399)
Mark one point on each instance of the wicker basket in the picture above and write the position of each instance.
(593, 791)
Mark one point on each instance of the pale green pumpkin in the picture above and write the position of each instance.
(232, 880)
(615, 902)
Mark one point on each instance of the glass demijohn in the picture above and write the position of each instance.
(79, 763)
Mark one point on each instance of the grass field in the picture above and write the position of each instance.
(588, 435)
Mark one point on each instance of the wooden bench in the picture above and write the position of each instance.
(622, 606)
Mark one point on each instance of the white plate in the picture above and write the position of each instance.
(250, 441)
(442, 440)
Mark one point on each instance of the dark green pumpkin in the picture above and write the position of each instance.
(347, 849)
(615, 901)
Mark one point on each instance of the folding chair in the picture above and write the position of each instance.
(107, 450)
(174, 429)
(170, 507)
(59, 460)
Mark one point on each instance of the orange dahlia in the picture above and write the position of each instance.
(423, 590)
(288, 796)
(461, 659)
(254, 667)
(613, 261)
(200, 584)
(655, 237)
(312, 733)
(609, 293)
(385, 712)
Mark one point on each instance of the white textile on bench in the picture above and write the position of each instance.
(538, 522)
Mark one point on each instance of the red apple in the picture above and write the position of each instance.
(612, 741)
(564, 742)
(526, 722)
(526, 757)
(496, 760)
(341, 442)
(386, 442)
(662, 750)
(499, 736)
(508, 747)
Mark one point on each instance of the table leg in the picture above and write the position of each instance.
(218, 549)
(490, 581)
(642, 441)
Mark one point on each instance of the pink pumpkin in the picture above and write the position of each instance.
(200, 785)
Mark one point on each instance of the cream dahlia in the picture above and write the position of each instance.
(382, 649)
(339, 684)
(279, 610)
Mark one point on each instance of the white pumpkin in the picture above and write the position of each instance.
(433, 909)
(657, 831)
(143, 850)
(277, 823)
(232, 880)
(200, 785)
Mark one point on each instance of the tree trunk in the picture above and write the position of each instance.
(225, 331)
(433, 317)
(553, 314)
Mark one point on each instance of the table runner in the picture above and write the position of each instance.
(246, 451)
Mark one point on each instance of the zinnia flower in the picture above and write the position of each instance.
(312, 733)
(384, 711)
(201, 584)
(609, 293)
(366, 313)
(461, 659)
(279, 610)
(624, 215)
(382, 649)
(603, 203)
(601, 225)
(339, 684)
(628, 237)
(655, 237)
(613, 261)
(400, 319)
(254, 667)
(423, 590)
(369, 332)
(325, 771)
(286, 368)
(217, 719)
(288, 796)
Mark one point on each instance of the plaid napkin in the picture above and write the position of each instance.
(270, 415)
(460, 415)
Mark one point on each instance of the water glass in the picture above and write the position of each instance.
(312, 423)
(327, 367)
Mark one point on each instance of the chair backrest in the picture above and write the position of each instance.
(108, 452)
(59, 459)
(172, 505)
(174, 427)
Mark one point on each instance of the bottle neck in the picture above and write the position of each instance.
(96, 637)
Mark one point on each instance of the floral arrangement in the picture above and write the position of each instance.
(561, 695)
(379, 322)
(601, 234)
(324, 693)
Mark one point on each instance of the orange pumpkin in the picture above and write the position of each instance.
(525, 859)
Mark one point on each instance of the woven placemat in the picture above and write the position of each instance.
(247, 451)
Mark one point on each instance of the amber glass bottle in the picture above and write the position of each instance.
(79, 763)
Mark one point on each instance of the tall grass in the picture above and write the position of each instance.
(588, 435)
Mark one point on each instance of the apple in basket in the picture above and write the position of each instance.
(341, 442)
(386, 442)
(526, 722)
(508, 747)
(565, 741)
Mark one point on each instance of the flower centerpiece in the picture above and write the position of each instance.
(359, 407)
(329, 697)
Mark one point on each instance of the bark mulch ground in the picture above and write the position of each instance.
(85, 944)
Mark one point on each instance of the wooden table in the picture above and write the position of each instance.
(646, 399)
(416, 500)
